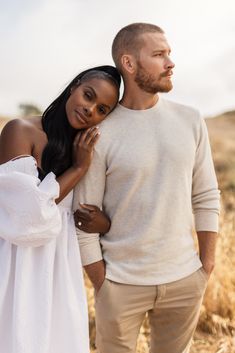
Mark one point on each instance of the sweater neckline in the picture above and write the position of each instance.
(154, 108)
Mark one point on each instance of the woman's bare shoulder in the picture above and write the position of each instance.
(16, 139)
(15, 126)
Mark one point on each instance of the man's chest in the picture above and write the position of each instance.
(151, 149)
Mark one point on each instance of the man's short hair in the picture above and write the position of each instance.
(128, 40)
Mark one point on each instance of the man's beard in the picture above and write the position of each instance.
(148, 82)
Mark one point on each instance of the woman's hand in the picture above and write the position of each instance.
(83, 147)
(91, 220)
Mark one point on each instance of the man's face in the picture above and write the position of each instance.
(154, 66)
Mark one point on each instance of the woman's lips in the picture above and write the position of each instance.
(80, 117)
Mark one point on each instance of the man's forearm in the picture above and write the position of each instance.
(96, 273)
(207, 246)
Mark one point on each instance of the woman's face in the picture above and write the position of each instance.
(91, 102)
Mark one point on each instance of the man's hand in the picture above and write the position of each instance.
(207, 247)
(96, 273)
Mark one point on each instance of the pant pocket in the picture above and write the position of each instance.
(202, 280)
(204, 274)
(102, 285)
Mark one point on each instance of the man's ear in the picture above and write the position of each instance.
(128, 63)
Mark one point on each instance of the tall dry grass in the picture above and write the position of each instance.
(3, 121)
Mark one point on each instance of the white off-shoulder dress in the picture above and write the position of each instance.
(43, 306)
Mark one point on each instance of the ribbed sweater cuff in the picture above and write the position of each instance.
(90, 253)
(206, 221)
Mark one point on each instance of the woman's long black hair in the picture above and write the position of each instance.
(57, 155)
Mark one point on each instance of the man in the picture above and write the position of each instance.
(152, 168)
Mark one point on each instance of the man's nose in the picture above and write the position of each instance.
(169, 64)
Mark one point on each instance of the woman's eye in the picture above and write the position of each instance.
(102, 110)
(87, 95)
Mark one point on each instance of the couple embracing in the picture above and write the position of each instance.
(138, 176)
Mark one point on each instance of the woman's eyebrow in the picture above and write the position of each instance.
(92, 89)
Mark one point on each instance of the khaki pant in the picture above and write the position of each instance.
(173, 311)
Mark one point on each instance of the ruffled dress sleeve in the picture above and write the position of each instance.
(29, 215)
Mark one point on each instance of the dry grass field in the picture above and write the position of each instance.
(216, 328)
(2, 122)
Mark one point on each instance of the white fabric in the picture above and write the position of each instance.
(43, 305)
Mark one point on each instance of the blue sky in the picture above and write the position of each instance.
(45, 43)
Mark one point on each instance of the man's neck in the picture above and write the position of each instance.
(138, 99)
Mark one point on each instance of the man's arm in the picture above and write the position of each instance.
(96, 273)
(90, 190)
(205, 200)
(207, 246)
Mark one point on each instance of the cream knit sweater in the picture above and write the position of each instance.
(151, 170)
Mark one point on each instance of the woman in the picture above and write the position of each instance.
(42, 298)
